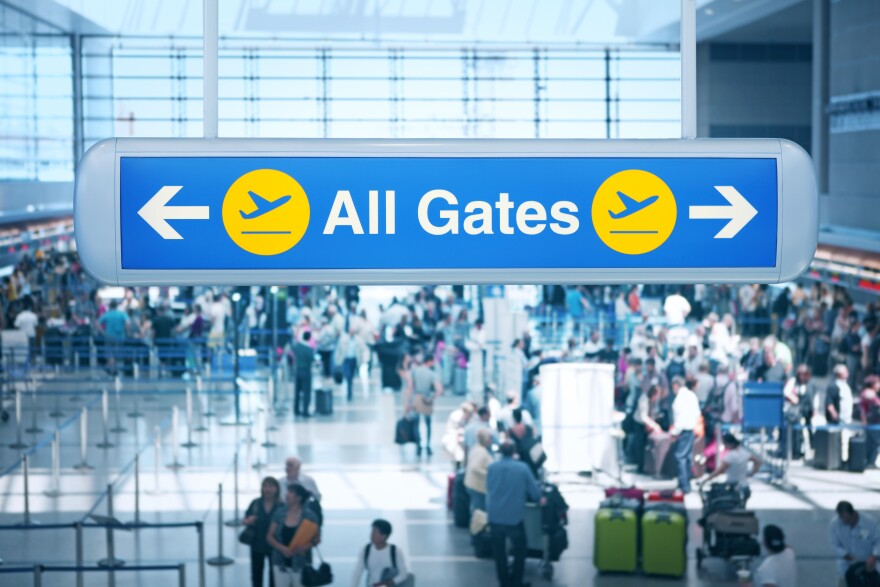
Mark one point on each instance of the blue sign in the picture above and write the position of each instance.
(235, 213)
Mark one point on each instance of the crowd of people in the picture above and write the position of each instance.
(682, 356)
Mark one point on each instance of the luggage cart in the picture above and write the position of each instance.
(729, 531)
(546, 534)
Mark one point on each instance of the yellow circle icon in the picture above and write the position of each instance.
(634, 212)
(266, 212)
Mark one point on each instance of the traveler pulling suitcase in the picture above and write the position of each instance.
(858, 454)
(616, 544)
(664, 540)
(461, 502)
(324, 402)
(827, 445)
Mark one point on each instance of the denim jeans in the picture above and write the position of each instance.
(684, 457)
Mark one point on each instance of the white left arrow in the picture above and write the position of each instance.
(740, 212)
(156, 212)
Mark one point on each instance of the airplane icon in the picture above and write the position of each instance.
(264, 206)
(631, 205)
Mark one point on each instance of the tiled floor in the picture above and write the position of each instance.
(362, 475)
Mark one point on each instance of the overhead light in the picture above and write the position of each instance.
(273, 290)
(236, 297)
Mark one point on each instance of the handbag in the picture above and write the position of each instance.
(317, 577)
(248, 536)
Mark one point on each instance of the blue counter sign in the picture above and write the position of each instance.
(519, 211)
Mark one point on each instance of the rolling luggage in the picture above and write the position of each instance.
(664, 540)
(626, 493)
(616, 547)
(406, 432)
(324, 402)
(450, 483)
(666, 495)
(481, 535)
(827, 445)
(858, 454)
(461, 502)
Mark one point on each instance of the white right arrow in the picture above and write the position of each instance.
(740, 212)
(156, 212)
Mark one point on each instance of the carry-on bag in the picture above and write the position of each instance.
(826, 444)
(616, 547)
(664, 540)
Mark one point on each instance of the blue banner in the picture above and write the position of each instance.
(441, 212)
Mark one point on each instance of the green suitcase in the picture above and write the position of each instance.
(616, 548)
(664, 541)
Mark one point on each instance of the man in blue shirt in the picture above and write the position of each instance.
(855, 539)
(509, 485)
(115, 325)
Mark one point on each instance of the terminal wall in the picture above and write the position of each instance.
(854, 139)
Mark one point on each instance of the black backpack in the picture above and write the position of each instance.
(393, 557)
(858, 576)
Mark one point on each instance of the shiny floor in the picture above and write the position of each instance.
(361, 473)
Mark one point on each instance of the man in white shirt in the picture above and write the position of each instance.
(685, 417)
(778, 569)
(839, 404)
(27, 321)
(384, 563)
(293, 468)
(676, 308)
(855, 538)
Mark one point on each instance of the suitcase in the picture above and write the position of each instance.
(324, 402)
(826, 445)
(666, 495)
(659, 457)
(858, 454)
(461, 502)
(664, 540)
(450, 484)
(616, 545)
(626, 493)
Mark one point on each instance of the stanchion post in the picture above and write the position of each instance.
(259, 464)
(55, 489)
(266, 429)
(19, 443)
(189, 419)
(200, 531)
(220, 560)
(119, 428)
(77, 526)
(270, 403)
(83, 441)
(157, 456)
(198, 409)
(175, 441)
(111, 561)
(25, 470)
(105, 417)
(34, 429)
(181, 575)
(38, 575)
(137, 489)
(235, 520)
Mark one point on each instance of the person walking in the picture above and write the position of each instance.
(304, 360)
(257, 518)
(288, 563)
(855, 538)
(350, 353)
(685, 417)
(778, 569)
(509, 485)
(869, 405)
(383, 563)
(477, 470)
(423, 389)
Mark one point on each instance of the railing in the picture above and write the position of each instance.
(39, 570)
